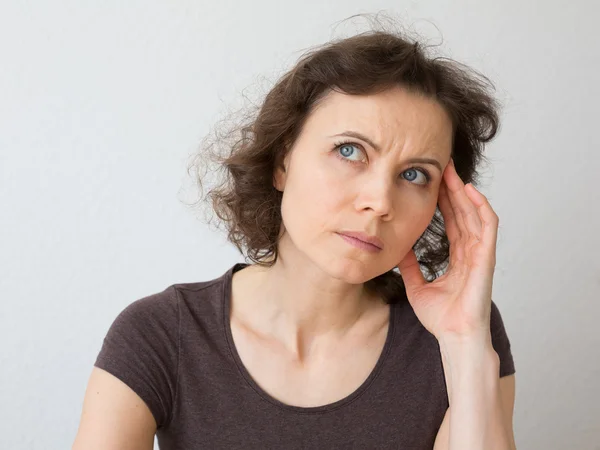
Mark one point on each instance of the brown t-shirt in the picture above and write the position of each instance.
(175, 350)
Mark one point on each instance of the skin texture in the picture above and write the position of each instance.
(314, 291)
(113, 416)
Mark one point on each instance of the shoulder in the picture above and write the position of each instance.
(164, 305)
(501, 341)
(141, 348)
(497, 325)
(496, 317)
(151, 321)
(163, 308)
(158, 305)
(154, 313)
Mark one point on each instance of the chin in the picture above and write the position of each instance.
(351, 271)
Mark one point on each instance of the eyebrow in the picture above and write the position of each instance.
(356, 134)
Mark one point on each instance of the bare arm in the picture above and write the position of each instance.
(507, 392)
(114, 417)
(481, 404)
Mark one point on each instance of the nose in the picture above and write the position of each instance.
(376, 195)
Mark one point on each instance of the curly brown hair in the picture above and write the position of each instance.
(367, 63)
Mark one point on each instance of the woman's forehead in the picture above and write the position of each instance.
(383, 117)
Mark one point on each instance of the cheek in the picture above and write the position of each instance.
(421, 218)
(409, 228)
(330, 195)
(313, 202)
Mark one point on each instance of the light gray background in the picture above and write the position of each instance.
(102, 103)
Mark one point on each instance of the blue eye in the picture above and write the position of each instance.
(423, 171)
(345, 145)
(345, 154)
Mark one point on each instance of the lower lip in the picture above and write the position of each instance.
(360, 244)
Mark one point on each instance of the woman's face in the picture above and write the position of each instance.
(333, 184)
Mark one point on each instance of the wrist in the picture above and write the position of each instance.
(456, 343)
(469, 359)
(475, 347)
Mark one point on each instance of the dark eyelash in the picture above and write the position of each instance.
(339, 144)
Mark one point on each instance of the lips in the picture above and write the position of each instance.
(373, 240)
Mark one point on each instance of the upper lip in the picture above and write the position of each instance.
(364, 237)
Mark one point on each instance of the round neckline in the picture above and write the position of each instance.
(226, 310)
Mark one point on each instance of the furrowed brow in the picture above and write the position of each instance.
(356, 134)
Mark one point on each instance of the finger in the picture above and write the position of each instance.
(465, 210)
(488, 217)
(448, 214)
(411, 272)
(458, 218)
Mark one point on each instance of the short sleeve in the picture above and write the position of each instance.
(501, 342)
(141, 349)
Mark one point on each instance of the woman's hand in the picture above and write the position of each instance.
(457, 304)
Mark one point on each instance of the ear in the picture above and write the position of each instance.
(279, 177)
(280, 172)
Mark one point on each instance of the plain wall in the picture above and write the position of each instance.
(102, 104)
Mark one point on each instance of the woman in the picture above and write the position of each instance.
(355, 164)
